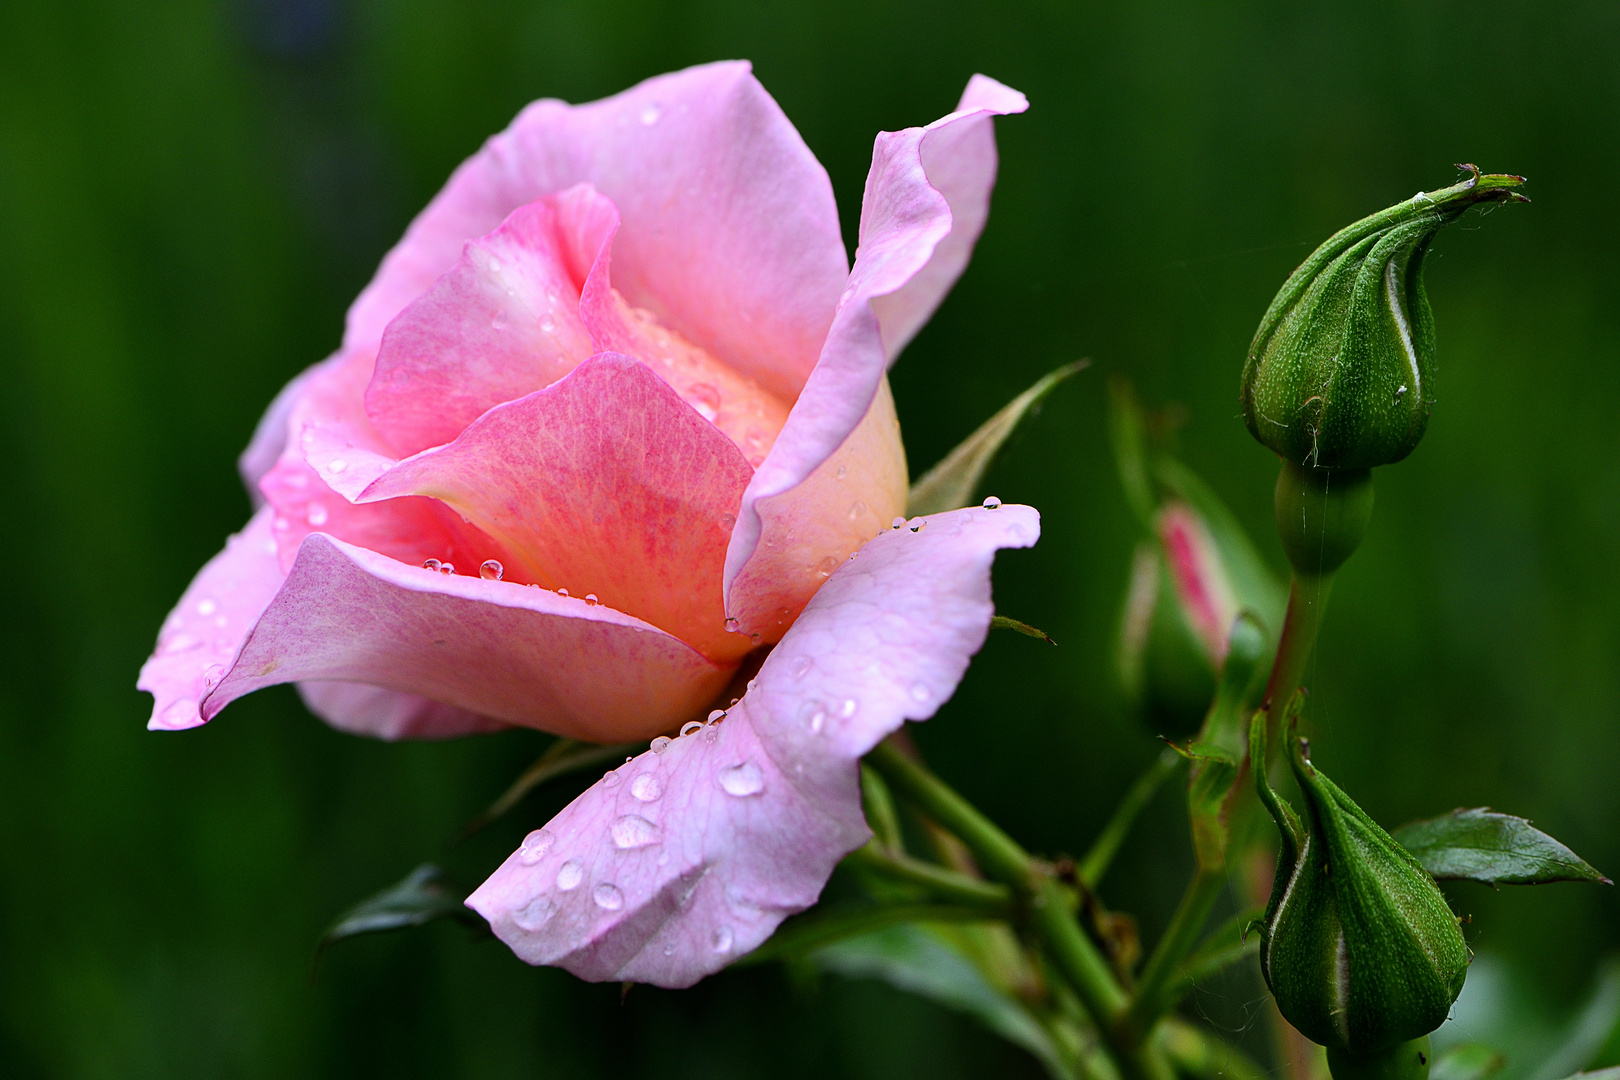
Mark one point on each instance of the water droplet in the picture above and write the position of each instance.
(856, 509)
(650, 115)
(282, 524)
(715, 715)
(315, 514)
(180, 712)
(916, 524)
(742, 780)
(814, 715)
(431, 564)
(447, 568)
(647, 787)
(336, 465)
(842, 472)
(590, 598)
(608, 897)
(897, 522)
(611, 778)
(669, 949)
(207, 606)
(498, 322)
(727, 520)
(920, 692)
(569, 875)
(800, 666)
(720, 940)
(690, 726)
(828, 565)
(179, 643)
(732, 626)
(536, 914)
(749, 689)
(535, 846)
(847, 709)
(659, 745)
(756, 637)
(495, 266)
(992, 503)
(212, 674)
(491, 570)
(705, 399)
(547, 326)
(631, 831)
(562, 592)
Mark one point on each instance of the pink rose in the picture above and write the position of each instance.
(610, 417)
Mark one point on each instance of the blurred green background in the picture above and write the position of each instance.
(192, 192)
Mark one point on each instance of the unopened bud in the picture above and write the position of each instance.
(1359, 947)
(1341, 371)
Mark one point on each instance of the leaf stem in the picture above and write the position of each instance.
(1047, 902)
(1103, 849)
(1307, 599)
(825, 926)
(941, 882)
(1152, 997)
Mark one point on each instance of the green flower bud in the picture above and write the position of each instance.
(1404, 1061)
(1359, 947)
(1341, 371)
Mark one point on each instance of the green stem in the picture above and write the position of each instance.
(941, 882)
(1075, 955)
(1307, 599)
(1101, 854)
(826, 926)
(560, 758)
(1151, 998)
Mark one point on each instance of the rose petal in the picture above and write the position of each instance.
(911, 251)
(607, 483)
(501, 323)
(270, 435)
(678, 862)
(200, 638)
(389, 714)
(508, 652)
(730, 231)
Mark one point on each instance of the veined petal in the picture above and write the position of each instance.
(201, 636)
(730, 231)
(687, 857)
(605, 483)
(508, 652)
(912, 249)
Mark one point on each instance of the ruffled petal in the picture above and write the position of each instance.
(688, 857)
(201, 636)
(501, 323)
(270, 435)
(508, 652)
(912, 249)
(730, 233)
(604, 483)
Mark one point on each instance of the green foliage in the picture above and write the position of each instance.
(1482, 845)
(421, 897)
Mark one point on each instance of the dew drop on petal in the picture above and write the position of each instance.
(431, 564)
(316, 514)
(590, 598)
(491, 570)
(647, 787)
(847, 709)
(562, 592)
(569, 875)
(720, 940)
(608, 897)
(992, 503)
(727, 520)
(212, 673)
(207, 606)
(742, 780)
(632, 831)
(650, 115)
(660, 744)
(920, 692)
(535, 846)
(733, 625)
(337, 465)
(828, 565)
(447, 568)
(897, 522)
(800, 666)
(690, 726)
(917, 523)
(814, 715)
(856, 509)
(705, 399)
(756, 637)
(611, 778)
(842, 472)
(535, 914)
(669, 948)
(715, 715)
